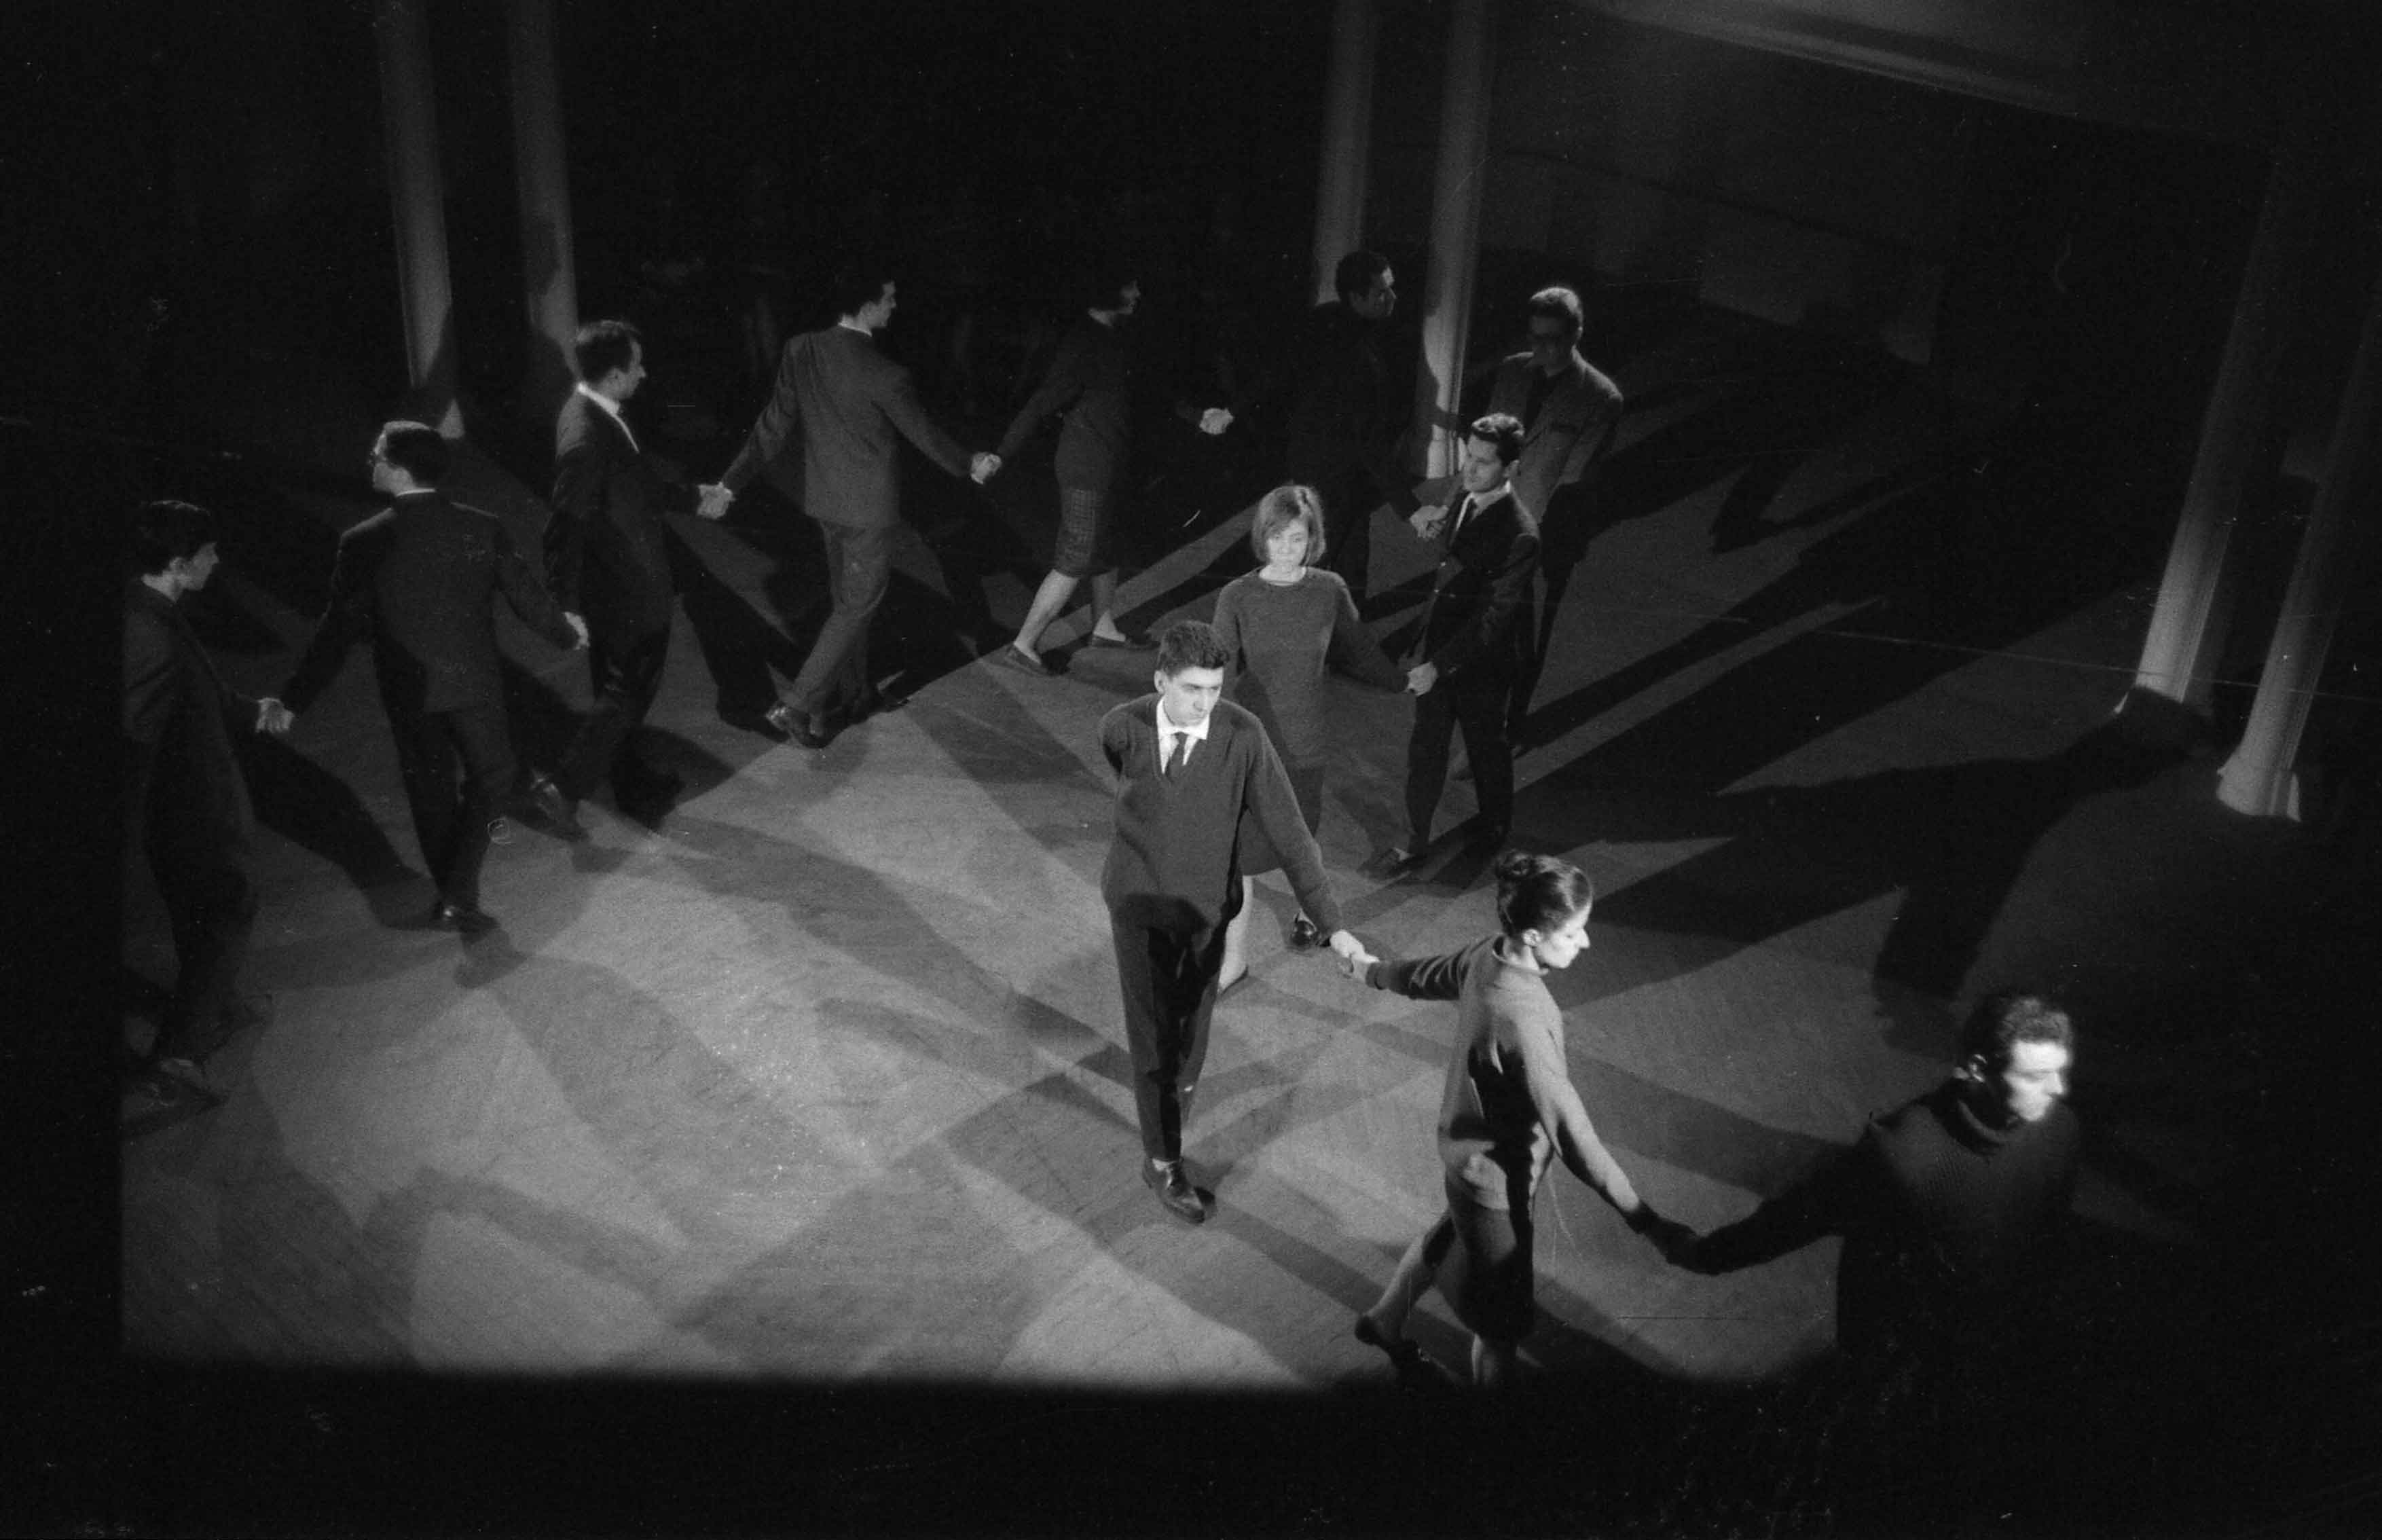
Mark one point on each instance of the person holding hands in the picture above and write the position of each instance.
(1508, 1111)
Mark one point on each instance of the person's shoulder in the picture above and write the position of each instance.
(373, 526)
(1237, 721)
(1599, 384)
(147, 613)
(574, 426)
(1126, 713)
(1925, 1117)
(472, 512)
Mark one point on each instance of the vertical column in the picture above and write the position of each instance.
(2258, 778)
(549, 278)
(417, 196)
(1347, 153)
(2187, 627)
(1455, 228)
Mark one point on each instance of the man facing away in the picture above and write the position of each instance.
(1469, 635)
(186, 800)
(850, 406)
(1568, 410)
(418, 577)
(1348, 416)
(1190, 766)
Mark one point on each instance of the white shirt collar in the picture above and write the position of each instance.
(1167, 732)
(611, 406)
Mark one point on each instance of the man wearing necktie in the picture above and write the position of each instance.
(1190, 768)
(1471, 641)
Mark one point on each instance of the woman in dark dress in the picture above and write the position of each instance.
(1286, 624)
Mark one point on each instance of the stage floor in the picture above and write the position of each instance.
(823, 1079)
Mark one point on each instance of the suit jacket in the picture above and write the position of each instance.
(1483, 589)
(185, 790)
(417, 577)
(850, 404)
(607, 545)
(1573, 426)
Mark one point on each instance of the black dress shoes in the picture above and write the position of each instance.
(809, 729)
(1008, 657)
(1398, 864)
(556, 813)
(462, 918)
(1174, 1190)
(769, 724)
(1304, 936)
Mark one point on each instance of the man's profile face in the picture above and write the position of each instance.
(622, 383)
(1550, 344)
(2026, 1088)
(198, 567)
(1190, 694)
(878, 311)
(1481, 469)
(1376, 303)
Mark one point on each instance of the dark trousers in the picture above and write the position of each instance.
(451, 812)
(623, 672)
(211, 906)
(1336, 472)
(1167, 978)
(1564, 535)
(859, 564)
(1478, 704)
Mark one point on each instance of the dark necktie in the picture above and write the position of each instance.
(1455, 525)
(1175, 757)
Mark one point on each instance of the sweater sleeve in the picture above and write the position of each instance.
(1439, 978)
(1265, 793)
(1352, 649)
(1060, 385)
(1228, 630)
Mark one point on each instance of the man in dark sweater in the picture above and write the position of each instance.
(1190, 767)
(1953, 1207)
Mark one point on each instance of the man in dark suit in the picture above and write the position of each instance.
(1348, 416)
(850, 406)
(1191, 767)
(418, 577)
(1568, 410)
(186, 800)
(608, 562)
(1468, 638)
